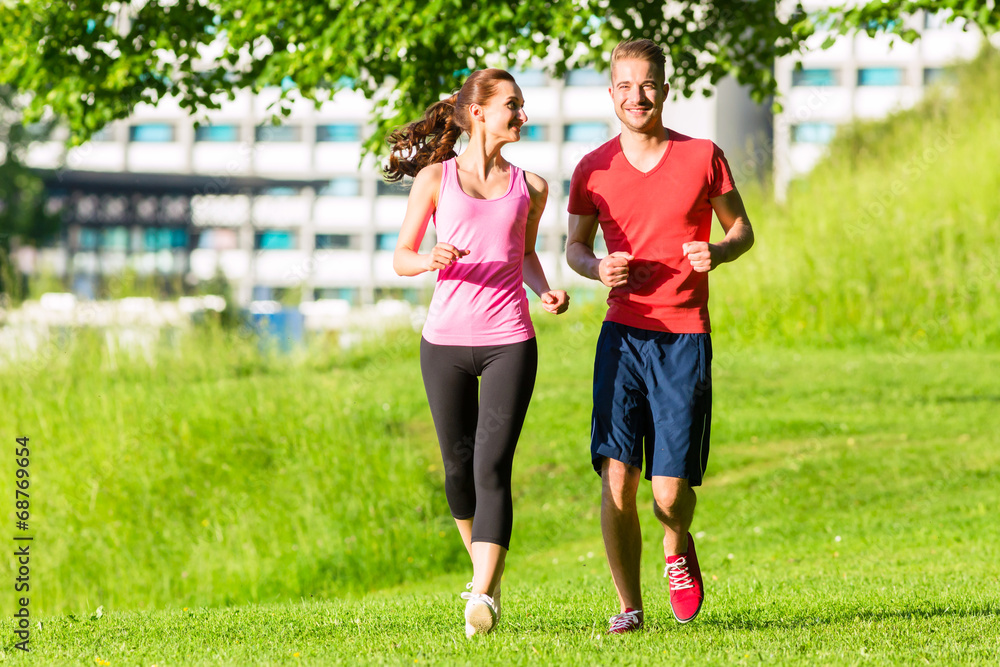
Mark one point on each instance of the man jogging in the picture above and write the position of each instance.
(653, 191)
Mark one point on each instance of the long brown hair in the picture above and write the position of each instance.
(432, 138)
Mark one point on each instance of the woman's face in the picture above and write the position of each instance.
(503, 115)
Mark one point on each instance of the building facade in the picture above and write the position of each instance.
(858, 77)
(297, 210)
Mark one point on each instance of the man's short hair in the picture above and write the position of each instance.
(640, 49)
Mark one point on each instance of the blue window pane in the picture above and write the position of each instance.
(115, 238)
(217, 133)
(280, 191)
(531, 78)
(814, 77)
(333, 241)
(813, 133)
(103, 134)
(587, 132)
(386, 241)
(340, 132)
(341, 187)
(165, 238)
(408, 294)
(884, 25)
(933, 75)
(151, 239)
(274, 240)
(880, 76)
(152, 132)
(535, 133)
(262, 293)
(278, 133)
(587, 77)
(89, 238)
(349, 294)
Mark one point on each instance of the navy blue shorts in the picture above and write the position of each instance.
(652, 396)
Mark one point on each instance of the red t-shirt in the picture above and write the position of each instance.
(650, 216)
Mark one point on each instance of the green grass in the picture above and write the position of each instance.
(307, 550)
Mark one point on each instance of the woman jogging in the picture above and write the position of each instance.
(486, 214)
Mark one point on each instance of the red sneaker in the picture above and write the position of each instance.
(686, 589)
(627, 621)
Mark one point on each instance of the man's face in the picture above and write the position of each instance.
(638, 91)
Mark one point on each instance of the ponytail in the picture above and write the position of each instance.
(423, 142)
(432, 139)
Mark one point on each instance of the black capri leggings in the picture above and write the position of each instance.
(478, 427)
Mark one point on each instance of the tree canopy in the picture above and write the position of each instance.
(89, 62)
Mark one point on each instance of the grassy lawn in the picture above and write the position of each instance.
(846, 519)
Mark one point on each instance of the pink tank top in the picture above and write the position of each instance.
(480, 299)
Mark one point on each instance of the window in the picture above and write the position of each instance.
(217, 133)
(337, 242)
(350, 294)
(540, 243)
(586, 132)
(263, 293)
(587, 77)
(274, 240)
(882, 24)
(341, 187)
(933, 75)
(397, 189)
(408, 294)
(815, 77)
(115, 238)
(151, 133)
(339, 132)
(89, 238)
(103, 135)
(219, 239)
(164, 238)
(880, 76)
(386, 241)
(279, 191)
(278, 133)
(535, 132)
(813, 133)
(566, 187)
(531, 78)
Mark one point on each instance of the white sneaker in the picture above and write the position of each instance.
(496, 598)
(480, 614)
